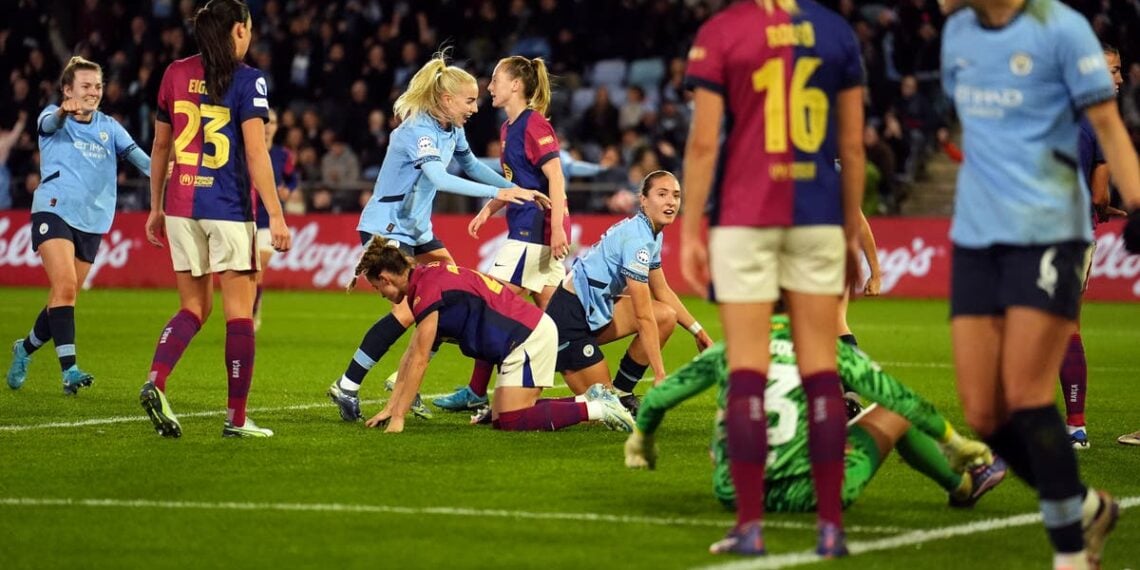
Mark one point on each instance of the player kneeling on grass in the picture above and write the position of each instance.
(488, 323)
(616, 290)
(966, 471)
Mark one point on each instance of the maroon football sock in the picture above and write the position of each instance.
(480, 378)
(177, 334)
(544, 415)
(827, 436)
(747, 428)
(1074, 381)
(239, 367)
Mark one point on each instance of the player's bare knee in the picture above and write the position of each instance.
(198, 309)
(63, 292)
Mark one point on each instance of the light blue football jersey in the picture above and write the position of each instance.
(629, 248)
(79, 164)
(401, 202)
(1019, 91)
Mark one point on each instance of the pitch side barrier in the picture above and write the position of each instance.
(914, 254)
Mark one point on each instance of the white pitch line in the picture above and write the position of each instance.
(388, 509)
(889, 543)
(143, 417)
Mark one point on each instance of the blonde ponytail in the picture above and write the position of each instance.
(425, 90)
(540, 100)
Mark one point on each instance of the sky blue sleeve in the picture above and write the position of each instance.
(493, 164)
(420, 144)
(127, 149)
(1081, 60)
(655, 262)
(46, 123)
(437, 173)
(139, 158)
(579, 168)
(948, 67)
(636, 257)
(481, 172)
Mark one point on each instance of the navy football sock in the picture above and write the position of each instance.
(376, 343)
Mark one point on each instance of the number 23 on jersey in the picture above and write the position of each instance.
(215, 118)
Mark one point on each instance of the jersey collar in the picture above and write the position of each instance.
(644, 218)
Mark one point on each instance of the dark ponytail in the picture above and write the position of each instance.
(212, 26)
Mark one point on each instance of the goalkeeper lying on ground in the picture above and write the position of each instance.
(966, 471)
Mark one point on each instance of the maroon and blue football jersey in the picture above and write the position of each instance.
(476, 312)
(210, 179)
(528, 143)
(779, 73)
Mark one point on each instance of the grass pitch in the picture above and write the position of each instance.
(85, 482)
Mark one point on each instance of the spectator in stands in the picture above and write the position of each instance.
(296, 41)
(308, 163)
(919, 123)
(600, 123)
(634, 108)
(340, 169)
(321, 202)
(8, 140)
(674, 87)
(880, 155)
(377, 75)
(673, 124)
(360, 106)
(374, 144)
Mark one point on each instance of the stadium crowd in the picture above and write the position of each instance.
(335, 68)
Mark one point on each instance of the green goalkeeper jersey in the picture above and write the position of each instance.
(784, 400)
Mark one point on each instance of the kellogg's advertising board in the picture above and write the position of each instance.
(914, 254)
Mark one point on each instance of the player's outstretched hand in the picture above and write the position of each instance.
(395, 425)
(703, 340)
(516, 195)
(559, 243)
(155, 227)
(1132, 232)
(72, 106)
(476, 224)
(380, 419)
(640, 451)
(542, 200)
(964, 454)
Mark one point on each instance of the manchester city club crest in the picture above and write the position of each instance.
(1021, 63)
(103, 136)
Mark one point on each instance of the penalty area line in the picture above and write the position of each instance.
(910, 538)
(397, 510)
